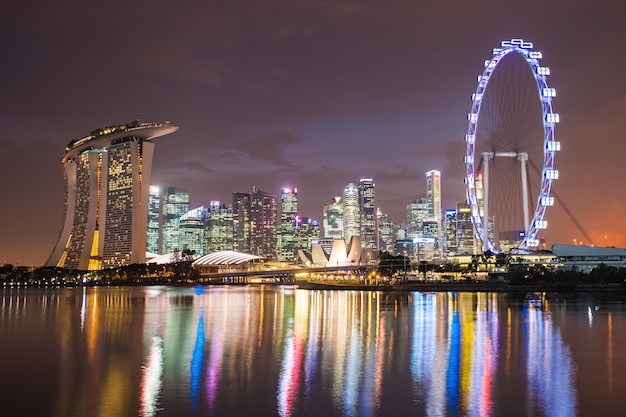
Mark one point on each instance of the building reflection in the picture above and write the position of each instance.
(549, 366)
(284, 351)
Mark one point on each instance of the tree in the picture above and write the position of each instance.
(389, 264)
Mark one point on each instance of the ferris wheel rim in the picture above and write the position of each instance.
(551, 146)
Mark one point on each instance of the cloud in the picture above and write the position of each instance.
(269, 146)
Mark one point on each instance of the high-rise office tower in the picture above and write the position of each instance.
(307, 231)
(464, 230)
(417, 211)
(333, 219)
(367, 209)
(107, 179)
(351, 215)
(385, 232)
(174, 203)
(192, 231)
(450, 241)
(154, 220)
(286, 234)
(263, 219)
(220, 227)
(241, 222)
(433, 194)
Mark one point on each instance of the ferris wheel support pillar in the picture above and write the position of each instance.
(523, 158)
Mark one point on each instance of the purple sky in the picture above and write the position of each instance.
(313, 94)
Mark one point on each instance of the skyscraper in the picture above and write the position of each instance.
(417, 211)
(174, 203)
(155, 221)
(192, 231)
(433, 194)
(464, 230)
(333, 219)
(107, 178)
(307, 231)
(450, 240)
(367, 210)
(263, 219)
(241, 222)
(351, 216)
(385, 232)
(286, 235)
(220, 227)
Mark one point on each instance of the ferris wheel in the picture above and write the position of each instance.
(511, 148)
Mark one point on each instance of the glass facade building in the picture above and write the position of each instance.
(263, 222)
(367, 211)
(286, 235)
(220, 227)
(333, 219)
(241, 222)
(192, 231)
(351, 215)
(154, 220)
(175, 203)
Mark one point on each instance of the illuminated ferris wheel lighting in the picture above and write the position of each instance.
(477, 197)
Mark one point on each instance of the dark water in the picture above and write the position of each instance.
(278, 351)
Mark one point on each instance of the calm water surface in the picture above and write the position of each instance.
(281, 351)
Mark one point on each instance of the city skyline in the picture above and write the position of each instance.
(311, 94)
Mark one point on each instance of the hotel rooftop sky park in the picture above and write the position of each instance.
(107, 181)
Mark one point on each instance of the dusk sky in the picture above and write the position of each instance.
(312, 94)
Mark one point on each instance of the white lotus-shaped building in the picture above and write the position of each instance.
(339, 255)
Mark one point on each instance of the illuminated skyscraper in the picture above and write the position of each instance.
(220, 227)
(385, 232)
(333, 219)
(192, 231)
(464, 230)
(107, 178)
(174, 203)
(450, 242)
(286, 235)
(367, 209)
(351, 216)
(417, 211)
(263, 219)
(433, 194)
(307, 231)
(155, 220)
(241, 222)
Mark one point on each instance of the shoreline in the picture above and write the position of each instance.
(460, 286)
(422, 286)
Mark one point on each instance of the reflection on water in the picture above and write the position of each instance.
(284, 351)
(151, 378)
(549, 366)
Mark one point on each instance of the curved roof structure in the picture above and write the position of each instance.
(102, 137)
(165, 259)
(586, 258)
(589, 252)
(227, 257)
